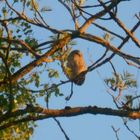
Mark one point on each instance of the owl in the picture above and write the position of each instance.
(76, 67)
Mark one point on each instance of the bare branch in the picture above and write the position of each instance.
(31, 21)
(105, 29)
(67, 112)
(67, 7)
(125, 124)
(96, 16)
(120, 46)
(62, 130)
(112, 48)
(121, 24)
(101, 58)
(116, 132)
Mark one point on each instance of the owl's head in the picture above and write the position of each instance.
(79, 79)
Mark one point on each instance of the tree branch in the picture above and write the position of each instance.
(57, 45)
(61, 128)
(112, 48)
(22, 43)
(32, 21)
(67, 112)
(27, 68)
(119, 47)
(96, 16)
(113, 16)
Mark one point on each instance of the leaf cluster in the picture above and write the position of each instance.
(121, 81)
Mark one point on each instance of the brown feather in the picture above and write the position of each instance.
(77, 66)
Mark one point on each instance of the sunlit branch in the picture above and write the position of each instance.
(121, 24)
(67, 112)
(35, 48)
(32, 21)
(112, 48)
(22, 43)
(120, 46)
(96, 16)
(44, 58)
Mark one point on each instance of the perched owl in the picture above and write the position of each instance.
(77, 67)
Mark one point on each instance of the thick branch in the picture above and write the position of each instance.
(71, 112)
(97, 16)
(136, 41)
(90, 110)
(112, 48)
(119, 47)
(27, 68)
(113, 16)
(58, 45)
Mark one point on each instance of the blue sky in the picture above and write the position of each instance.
(93, 92)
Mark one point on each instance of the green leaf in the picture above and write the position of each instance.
(45, 9)
(4, 11)
(53, 73)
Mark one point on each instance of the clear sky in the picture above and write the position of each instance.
(93, 92)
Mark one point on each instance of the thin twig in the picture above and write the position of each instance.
(39, 13)
(61, 128)
(131, 131)
(117, 20)
(116, 132)
(69, 97)
(120, 46)
(105, 29)
(91, 66)
(25, 18)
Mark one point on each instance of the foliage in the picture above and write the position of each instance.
(32, 69)
(121, 81)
